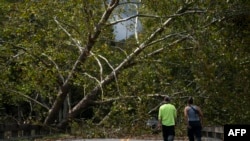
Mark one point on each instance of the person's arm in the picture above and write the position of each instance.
(200, 115)
(159, 124)
(159, 120)
(186, 116)
(175, 117)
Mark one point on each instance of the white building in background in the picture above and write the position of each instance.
(128, 28)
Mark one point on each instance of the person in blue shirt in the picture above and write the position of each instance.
(193, 118)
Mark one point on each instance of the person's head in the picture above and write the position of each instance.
(167, 99)
(190, 100)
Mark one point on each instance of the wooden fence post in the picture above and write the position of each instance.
(215, 132)
(26, 129)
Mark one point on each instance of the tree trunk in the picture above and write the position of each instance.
(81, 59)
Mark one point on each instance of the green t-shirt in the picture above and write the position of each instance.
(167, 114)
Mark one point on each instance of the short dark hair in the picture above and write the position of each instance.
(167, 98)
(190, 100)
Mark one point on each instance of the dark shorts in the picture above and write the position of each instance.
(168, 131)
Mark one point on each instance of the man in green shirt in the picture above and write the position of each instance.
(167, 119)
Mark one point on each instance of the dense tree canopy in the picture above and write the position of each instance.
(60, 62)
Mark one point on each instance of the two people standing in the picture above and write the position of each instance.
(167, 120)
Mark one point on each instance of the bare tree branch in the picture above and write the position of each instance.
(155, 16)
(136, 23)
(76, 42)
(81, 59)
(29, 98)
(170, 44)
(107, 79)
(113, 70)
(56, 66)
